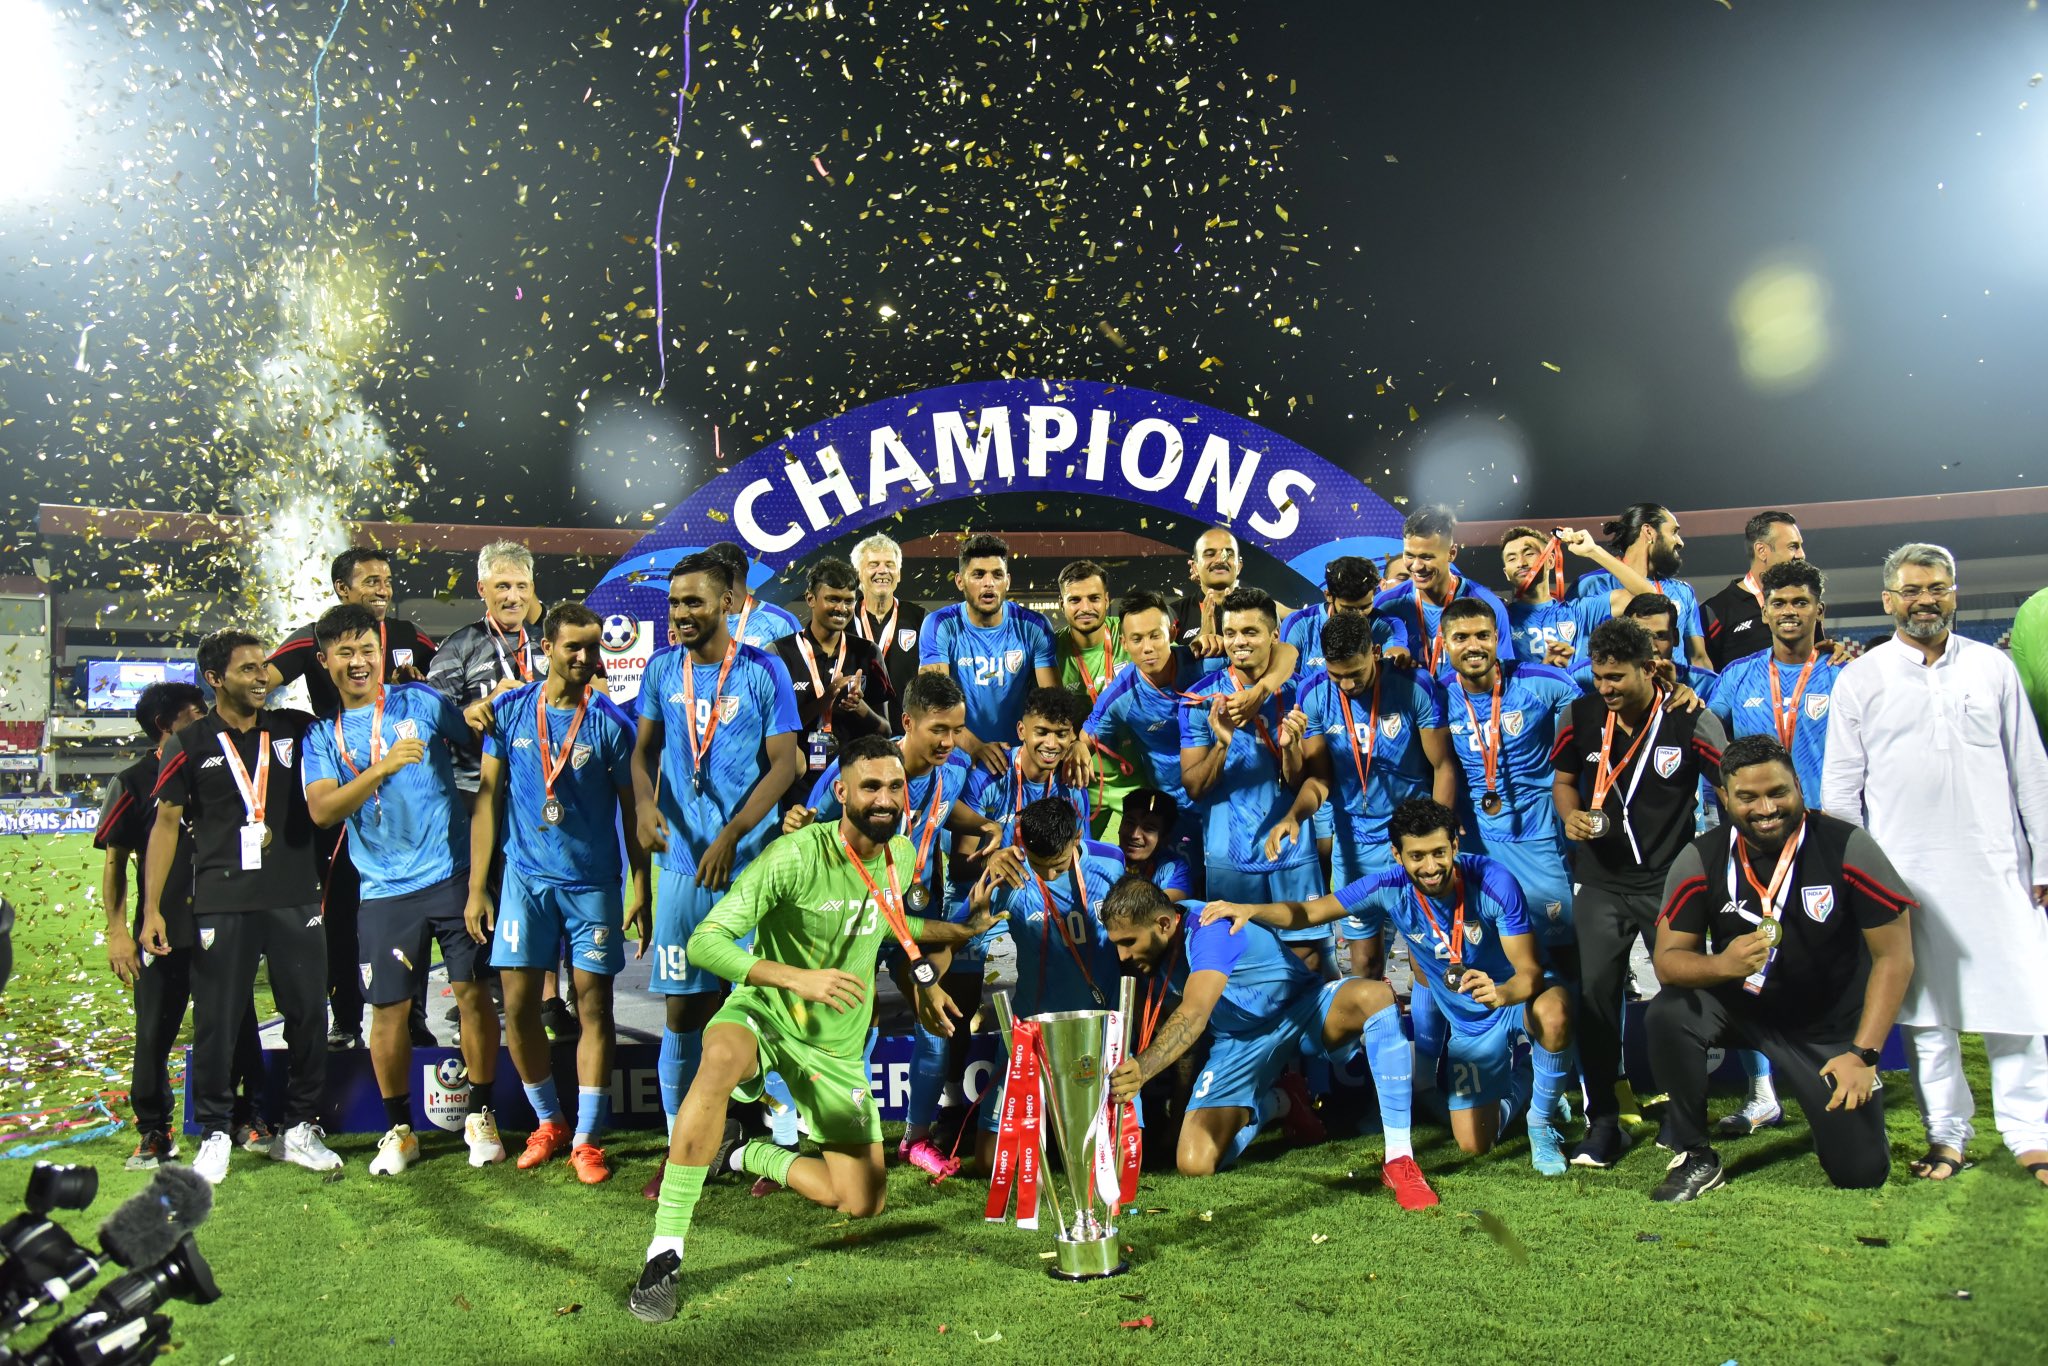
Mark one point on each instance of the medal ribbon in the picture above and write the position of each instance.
(1487, 739)
(931, 824)
(1435, 650)
(892, 904)
(1786, 713)
(700, 748)
(1117, 1122)
(1605, 776)
(524, 668)
(803, 643)
(376, 751)
(1018, 782)
(1372, 727)
(1054, 917)
(1456, 942)
(551, 765)
(1771, 899)
(1265, 732)
(1018, 1140)
(1552, 559)
(254, 794)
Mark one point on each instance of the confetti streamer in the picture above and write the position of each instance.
(339, 10)
(675, 150)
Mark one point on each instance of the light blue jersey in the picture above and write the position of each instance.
(1050, 975)
(414, 832)
(1386, 724)
(766, 624)
(1248, 798)
(1003, 796)
(1531, 697)
(1742, 699)
(995, 666)
(1493, 908)
(584, 849)
(1141, 721)
(1422, 639)
(1602, 585)
(1561, 621)
(1303, 629)
(756, 703)
(1265, 976)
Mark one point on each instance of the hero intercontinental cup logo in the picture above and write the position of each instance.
(445, 1091)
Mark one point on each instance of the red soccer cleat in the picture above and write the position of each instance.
(588, 1160)
(1405, 1179)
(1301, 1123)
(545, 1142)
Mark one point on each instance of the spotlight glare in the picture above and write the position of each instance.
(32, 86)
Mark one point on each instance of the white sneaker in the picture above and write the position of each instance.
(480, 1132)
(1758, 1114)
(305, 1145)
(397, 1150)
(211, 1161)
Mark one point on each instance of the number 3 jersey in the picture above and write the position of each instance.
(756, 703)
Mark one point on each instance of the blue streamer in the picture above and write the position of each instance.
(675, 149)
(332, 30)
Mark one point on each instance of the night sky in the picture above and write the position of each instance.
(1489, 255)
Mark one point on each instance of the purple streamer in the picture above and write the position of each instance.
(675, 149)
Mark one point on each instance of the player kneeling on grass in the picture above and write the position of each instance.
(558, 755)
(819, 904)
(1264, 1009)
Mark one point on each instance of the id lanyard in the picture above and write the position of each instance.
(1053, 917)
(883, 636)
(1770, 900)
(1756, 590)
(1488, 740)
(376, 752)
(1455, 942)
(1786, 712)
(1606, 775)
(699, 748)
(524, 667)
(255, 796)
(1155, 999)
(1265, 732)
(1017, 785)
(921, 970)
(803, 643)
(552, 764)
(1108, 668)
(1372, 727)
(1436, 644)
(931, 825)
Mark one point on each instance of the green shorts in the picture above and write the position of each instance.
(831, 1093)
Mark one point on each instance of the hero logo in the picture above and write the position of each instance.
(626, 644)
(446, 1085)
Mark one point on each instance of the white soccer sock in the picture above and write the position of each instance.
(735, 1160)
(1762, 1090)
(1398, 1142)
(661, 1245)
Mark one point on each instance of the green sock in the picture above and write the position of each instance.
(680, 1187)
(761, 1158)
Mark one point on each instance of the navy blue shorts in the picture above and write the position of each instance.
(395, 935)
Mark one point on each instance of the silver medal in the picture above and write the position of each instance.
(552, 811)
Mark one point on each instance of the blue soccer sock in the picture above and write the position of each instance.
(547, 1106)
(927, 1084)
(1239, 1141)
(782, 1115)
(1552, 1070)
(680, 1054)
(1432, 1035)
(1387, 1050)
(593, 1106)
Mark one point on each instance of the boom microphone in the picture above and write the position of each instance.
(149, 1224)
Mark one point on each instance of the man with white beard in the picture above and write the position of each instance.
(1931, 749)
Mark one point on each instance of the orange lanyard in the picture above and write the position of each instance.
(1017, 784)
(739, 632)
(931, 823)
(518, 663)
(1457, 939)
(883, 635)
(892, 911)
(551, 765)
(1436, 644)
(1749, 581)
(1053, 917)
(803, 644)
(1605, 775)
(1488, 739)
(255, 795)
(1108, 668)
(1769, 897)
(1785, 713)
(1372, 726)
(1265, 732)
(376, 735)
(1552, 559)
(1155, 1001)
(700, 748)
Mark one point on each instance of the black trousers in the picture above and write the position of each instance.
(1607, 923)
(1684, 1023)
(292, 940)
(161, 993)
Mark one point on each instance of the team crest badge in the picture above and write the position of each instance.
(728, 709)
(1554, 909)
(579, 756)
(600, 936)
(906, 640)
(283, 750)
(1816, 705)
(407, 730)
(1511, 722)
(1013, 660)
(1567, 631)
(401, 659)
(206, 938)
(1390, 726)
(1820, 903)
(364, 968)
(1666, 759)
(1472, 934)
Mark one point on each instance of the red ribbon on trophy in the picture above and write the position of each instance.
(1018, 1136)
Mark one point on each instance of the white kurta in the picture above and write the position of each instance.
(1943, 765)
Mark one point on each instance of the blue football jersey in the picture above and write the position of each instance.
(996, 666)
(1531, 697)
(1050, 975)
(1409, 702)
(1001, 796)
(584, 851)
(415, 831)
(1303, 629)
(1247, 799)
(1265, 977)
(1602, 585)
(1568, 621)
(1398, 606)
(1141, 720)
(1493, 907)
(766, 624)
(1742, 699)
(757, 702)
(1171, 873)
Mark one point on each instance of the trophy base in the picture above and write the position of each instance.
(1086, 1259)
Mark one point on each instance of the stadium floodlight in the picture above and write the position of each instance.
(33, 85)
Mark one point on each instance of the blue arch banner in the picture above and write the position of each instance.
(1068, 438)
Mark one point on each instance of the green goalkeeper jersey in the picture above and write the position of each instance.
(806, 908)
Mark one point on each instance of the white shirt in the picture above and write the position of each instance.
(1943, 765)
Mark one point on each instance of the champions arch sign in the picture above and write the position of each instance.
(1066, 439)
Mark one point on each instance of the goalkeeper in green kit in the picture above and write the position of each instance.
(819, 904)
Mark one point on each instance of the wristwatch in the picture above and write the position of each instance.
(1869, 1055)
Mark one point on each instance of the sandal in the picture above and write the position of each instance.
(1929, 1164)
